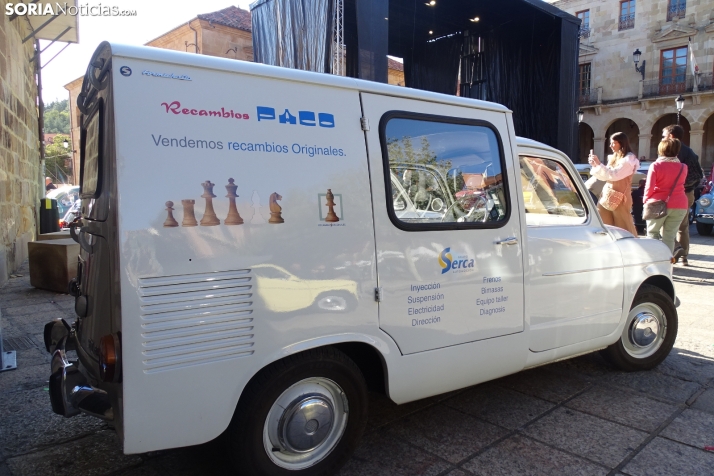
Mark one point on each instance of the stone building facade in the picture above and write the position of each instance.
(615, 96)
(21, 184)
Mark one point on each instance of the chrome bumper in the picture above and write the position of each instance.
(709, 216)
(70, 392)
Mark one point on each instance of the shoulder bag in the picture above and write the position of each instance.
(658, 208)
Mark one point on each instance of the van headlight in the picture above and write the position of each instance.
(705, 201)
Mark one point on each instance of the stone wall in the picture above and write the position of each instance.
(617, 89)
(20, 180)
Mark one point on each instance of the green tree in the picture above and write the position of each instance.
(57, 160)
(56, 117)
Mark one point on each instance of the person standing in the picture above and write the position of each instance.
(665, 182)
(618, 172)
(49, 185)
(694, 177)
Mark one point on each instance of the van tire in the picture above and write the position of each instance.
(633, 351)
(247, 435)
(704, 229)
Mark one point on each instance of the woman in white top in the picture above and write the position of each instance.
(621, 165)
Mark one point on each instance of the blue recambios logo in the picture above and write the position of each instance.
(448, 263)
(304, 118)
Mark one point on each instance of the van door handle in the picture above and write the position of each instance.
(83, 241)
(601, 232)
(508, 241)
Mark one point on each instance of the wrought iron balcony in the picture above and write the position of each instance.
(626, 22)
(588, 97)
(676, 11)
(584, 31)
(677, 85)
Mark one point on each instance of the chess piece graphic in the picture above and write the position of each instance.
(275, 209)
(257, 218)
(209, 216)
(170, 220)
(331, 215)
(189, 216)
(233, 217)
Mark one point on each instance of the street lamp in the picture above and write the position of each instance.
(680, 105)
(65, 144)
(636, 56)
(581, 115)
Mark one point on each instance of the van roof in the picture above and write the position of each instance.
(159, 55)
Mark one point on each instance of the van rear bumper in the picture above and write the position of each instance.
(70, 390)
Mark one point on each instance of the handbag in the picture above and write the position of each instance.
(611, 199)
(658, 208)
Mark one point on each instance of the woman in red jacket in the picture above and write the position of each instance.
(665, 181)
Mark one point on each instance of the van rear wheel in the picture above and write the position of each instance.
(649, 333)
(301, 415)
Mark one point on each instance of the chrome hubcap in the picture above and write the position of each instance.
(305, 423)
(645, 330)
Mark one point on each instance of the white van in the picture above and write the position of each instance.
(260, 246)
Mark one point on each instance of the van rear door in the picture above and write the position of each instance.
(448, 234)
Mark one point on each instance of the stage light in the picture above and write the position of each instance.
(430, 4)
(475, 19)
(431, 32)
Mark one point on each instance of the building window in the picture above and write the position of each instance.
(585, 25)
(676, 9)
(585, 79)
(673, 71)
(627, 15)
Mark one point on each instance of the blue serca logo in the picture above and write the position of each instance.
(304, 118)
(445, 260)
(457, 263)
(125, 71)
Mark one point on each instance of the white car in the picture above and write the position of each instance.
(370, 236)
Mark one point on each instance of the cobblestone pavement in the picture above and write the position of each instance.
(577, 417)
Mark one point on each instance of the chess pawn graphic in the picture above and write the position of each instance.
(331, 215)
(275, 209)
(189, 216)
(233, 217)
(209, 215)
(170, 220)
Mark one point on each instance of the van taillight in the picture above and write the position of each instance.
(109, 362)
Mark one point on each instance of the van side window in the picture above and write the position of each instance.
(444, 173)
(89, 163)
(549, 193)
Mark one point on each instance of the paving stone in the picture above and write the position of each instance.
(456, 472)
(705, 401)
(383, 454)
(622, 406)
(590, 366)
(665, 458)
(447, 432)
(24, 377)
(684, 364)
(28, 422)
(383, 411)
(654, 384)
(587, 436)
(545, 384)
(96, 454)
(693, 428)
(524, 456)
(23, 310)
(203, 460)
(500, 406)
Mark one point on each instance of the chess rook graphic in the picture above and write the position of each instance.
(331, 215)
(233, 218)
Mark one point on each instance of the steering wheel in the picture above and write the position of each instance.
(477, 209)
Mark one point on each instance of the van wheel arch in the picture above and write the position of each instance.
(661, 282)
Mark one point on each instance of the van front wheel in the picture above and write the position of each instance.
(301, 415)
(649, 332)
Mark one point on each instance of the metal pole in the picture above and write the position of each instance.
(8, 360)
(678, 113)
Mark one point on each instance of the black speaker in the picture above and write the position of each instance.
(49, 216)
